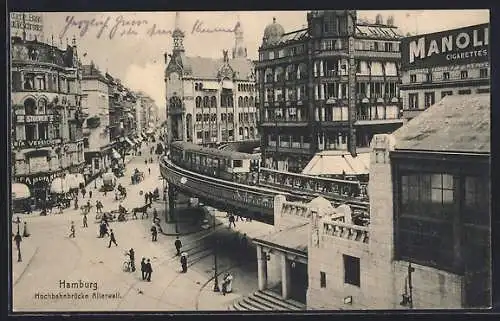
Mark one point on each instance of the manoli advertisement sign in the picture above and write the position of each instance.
(452, 47)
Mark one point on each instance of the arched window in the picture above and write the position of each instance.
(290, 74)
(250, 102)
(239, 87)
(175, 102)
(240, 101)
(42, 104)
(206, 102)
(245, 102)
(230, 100)
(213, 117)
(269, 75)
(30, 106)
(301, 71)
(230, 117)
(241, 131)
(198, 102)
(279, 74)
(213, 102)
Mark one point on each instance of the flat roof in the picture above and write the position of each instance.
(457, 123)
(294, 239)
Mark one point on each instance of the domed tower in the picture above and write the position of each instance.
(239, 50)
(273, 33)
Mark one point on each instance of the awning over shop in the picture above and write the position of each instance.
(128, 141)
(227, 84)
(20, 191)
(333, 163)
(74, 180)
(115, 154)
(59, 186)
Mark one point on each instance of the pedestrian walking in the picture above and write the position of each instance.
(18, 240)
(149, 270)
(25, 230)
(72, 230)
(90, 194)
(143, 268)
(178, 245)
(149, 170)
(85, 220)
(146, 161)
(131, 255)
(184, 262)
(154, 233)
(84, 191)
(112, 238)
(227, 284)
(244, 242)
(231, 220)
(76, 203)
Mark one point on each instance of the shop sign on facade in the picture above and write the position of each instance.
(36, 143)
(33, 179)
(36, 118)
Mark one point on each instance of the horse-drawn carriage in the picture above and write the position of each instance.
(120, 193)
(137, 177)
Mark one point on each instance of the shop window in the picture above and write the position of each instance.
(446, 75)
(322, 279)
(464, 74)
(413, 78)
(413, 101)
(483, 90)
(351, 270)
(30, 132)
(464, 92)
(429, 99)
(483, 73)
(237, 163)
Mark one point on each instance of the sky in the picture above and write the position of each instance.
(137, 57)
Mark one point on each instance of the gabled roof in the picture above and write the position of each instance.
(458, 123)
(207, 68)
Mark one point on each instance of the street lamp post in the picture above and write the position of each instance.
(18, 239)
(216, 278)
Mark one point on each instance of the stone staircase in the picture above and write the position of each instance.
(266, 301)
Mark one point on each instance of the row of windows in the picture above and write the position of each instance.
(226, 101)
(244, 132)
(226, 117)
(368, 45)
(284, 52)
(198, 86)
(291, 72)
(464, 74)
(42, 81)
(430, 97)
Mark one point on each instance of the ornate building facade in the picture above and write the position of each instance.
(330, 86)
(95, 102)
(47, 117)
(210, 101)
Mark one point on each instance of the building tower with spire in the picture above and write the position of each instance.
(239, 50)
(178, 34)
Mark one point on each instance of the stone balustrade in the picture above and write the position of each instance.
(296, 209)
(346, 231)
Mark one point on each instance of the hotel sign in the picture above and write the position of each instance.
(36, 118)
(33, 179)
(453, 47)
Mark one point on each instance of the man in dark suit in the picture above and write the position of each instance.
(112, 238)
(143, 268)
(149, 270)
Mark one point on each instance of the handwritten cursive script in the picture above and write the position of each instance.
(198, 28)
(121, 26)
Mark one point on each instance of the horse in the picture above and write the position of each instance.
(143, 210)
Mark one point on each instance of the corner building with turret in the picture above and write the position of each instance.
(309, 101)
(210, 101)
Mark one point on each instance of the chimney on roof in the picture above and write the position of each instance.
(378, 19)
(390, 21)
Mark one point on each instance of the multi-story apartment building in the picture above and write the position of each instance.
(330, 86)
(209, 100)
(95, 102)
(146, 114)
(453, 62)
(47, 117)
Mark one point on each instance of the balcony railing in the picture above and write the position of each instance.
(346, 231)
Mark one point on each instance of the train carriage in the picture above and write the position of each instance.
(210, 161)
